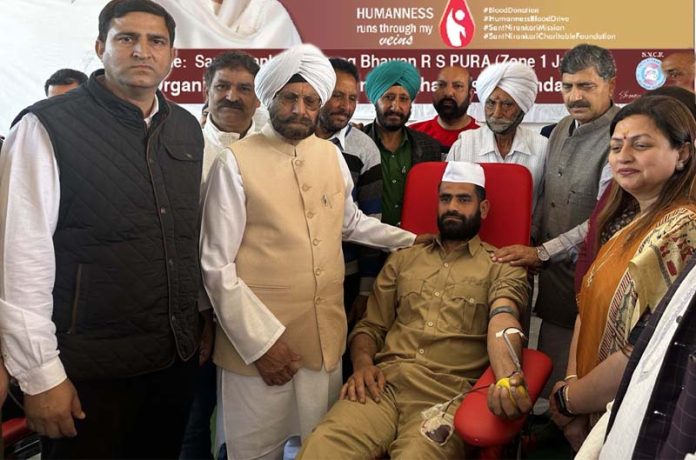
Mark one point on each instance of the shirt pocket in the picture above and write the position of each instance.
(582, 200)
(332, 203)
(408, 294)
(180, 169)
(465, 311)
(183, 151)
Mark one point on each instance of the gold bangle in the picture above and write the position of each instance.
(570, 377)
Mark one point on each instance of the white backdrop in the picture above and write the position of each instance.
(41, 36)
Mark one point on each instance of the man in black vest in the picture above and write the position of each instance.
(99, 236)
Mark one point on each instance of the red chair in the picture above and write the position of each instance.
(509, 190)
(14, 430)
(18, 440)
(478, 426)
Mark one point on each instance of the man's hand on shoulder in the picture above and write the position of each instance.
(424, 238)
(365, 379)
(509, 397)
(51, 413)
(279, 364)
(517, 255)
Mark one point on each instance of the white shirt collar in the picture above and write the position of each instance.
(153, 112)
(519, 143)
(224, 138)
(341, 136)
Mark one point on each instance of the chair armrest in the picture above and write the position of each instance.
(14, 430)
(478, 426)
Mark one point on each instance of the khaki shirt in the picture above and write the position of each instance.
(429, 310)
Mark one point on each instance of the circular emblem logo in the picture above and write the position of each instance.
(649, 74)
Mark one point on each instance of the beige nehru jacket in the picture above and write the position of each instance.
(429, 309)
(290, 255)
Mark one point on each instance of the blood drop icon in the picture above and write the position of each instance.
(457, 26)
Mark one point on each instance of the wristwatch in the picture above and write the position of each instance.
(542, 254)
(562, 402)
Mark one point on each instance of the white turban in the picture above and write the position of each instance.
(305, 60)
(464, 172)
(516, 79)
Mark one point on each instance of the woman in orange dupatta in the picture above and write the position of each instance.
(653, 164)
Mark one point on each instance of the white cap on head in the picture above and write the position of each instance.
(464, 172)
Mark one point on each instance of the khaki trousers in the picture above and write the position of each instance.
(352, 430)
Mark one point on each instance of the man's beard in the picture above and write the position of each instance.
(292, 132)
(390, 125)
(451, 111)
(462, 230)
(328, 125)
(503, 126)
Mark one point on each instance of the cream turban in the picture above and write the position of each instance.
(518, 80)
(305, 60)
(464, 172)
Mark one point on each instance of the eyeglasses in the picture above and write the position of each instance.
(290, 99)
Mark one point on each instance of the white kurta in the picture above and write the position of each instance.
(253, 329)
(528, 149)
(259, 419)
(216, 142)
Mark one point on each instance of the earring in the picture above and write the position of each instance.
(680, 166)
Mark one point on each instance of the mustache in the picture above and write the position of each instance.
(393, 112)
(340, 112)
(299, 119)
(447, 99)
(230, 105)
(500, 121)
(579, 105)
(453, 214)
